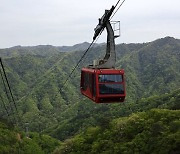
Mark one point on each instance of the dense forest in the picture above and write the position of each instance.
(64, 121)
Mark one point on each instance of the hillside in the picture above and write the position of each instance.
(13, 141)
(154, 131)
(151, 131)
(83, 114)
(36, 75)
(155, 67)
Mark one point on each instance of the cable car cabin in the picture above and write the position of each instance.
(103, 85)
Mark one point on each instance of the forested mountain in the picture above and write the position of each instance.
(154, 131)
(36, 75)
(43, 50)
(13, 141)
(151, 131)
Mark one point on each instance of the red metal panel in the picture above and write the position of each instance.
(87, 92)
(103, 98)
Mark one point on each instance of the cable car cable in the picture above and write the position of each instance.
(7, 95)
(117, 3)
(6, 91)
(1, 98)
(117, 9)
(85, 54)
(8, 85)
(4, 73)
(4, 105)
(77, 64)
(91, 48)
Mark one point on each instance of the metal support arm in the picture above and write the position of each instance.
(110, 57)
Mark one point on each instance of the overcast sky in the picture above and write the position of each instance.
(68, 22)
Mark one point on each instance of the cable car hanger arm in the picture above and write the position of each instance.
(102, 22)
(110, 57)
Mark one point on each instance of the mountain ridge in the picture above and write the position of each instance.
(43, 50)
(55, 49)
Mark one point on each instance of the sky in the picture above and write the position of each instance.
(69, 22)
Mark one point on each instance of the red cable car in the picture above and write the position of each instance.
(101, 82)
(103, 85)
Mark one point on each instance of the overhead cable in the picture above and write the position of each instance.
(9, 100)
(4, 105)
(69, 76)
(117, 9)
(8, 85)
(6, 91)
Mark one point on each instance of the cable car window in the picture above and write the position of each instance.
(110, 78)
(94, 85)
(85, 80)
(90, 82)
(82, 80)
(111, 89)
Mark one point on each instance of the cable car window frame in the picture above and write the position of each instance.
(105, 89)
(94, 85)
(108, 78)
(85, 80)
(90, 82)
(110, 82)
